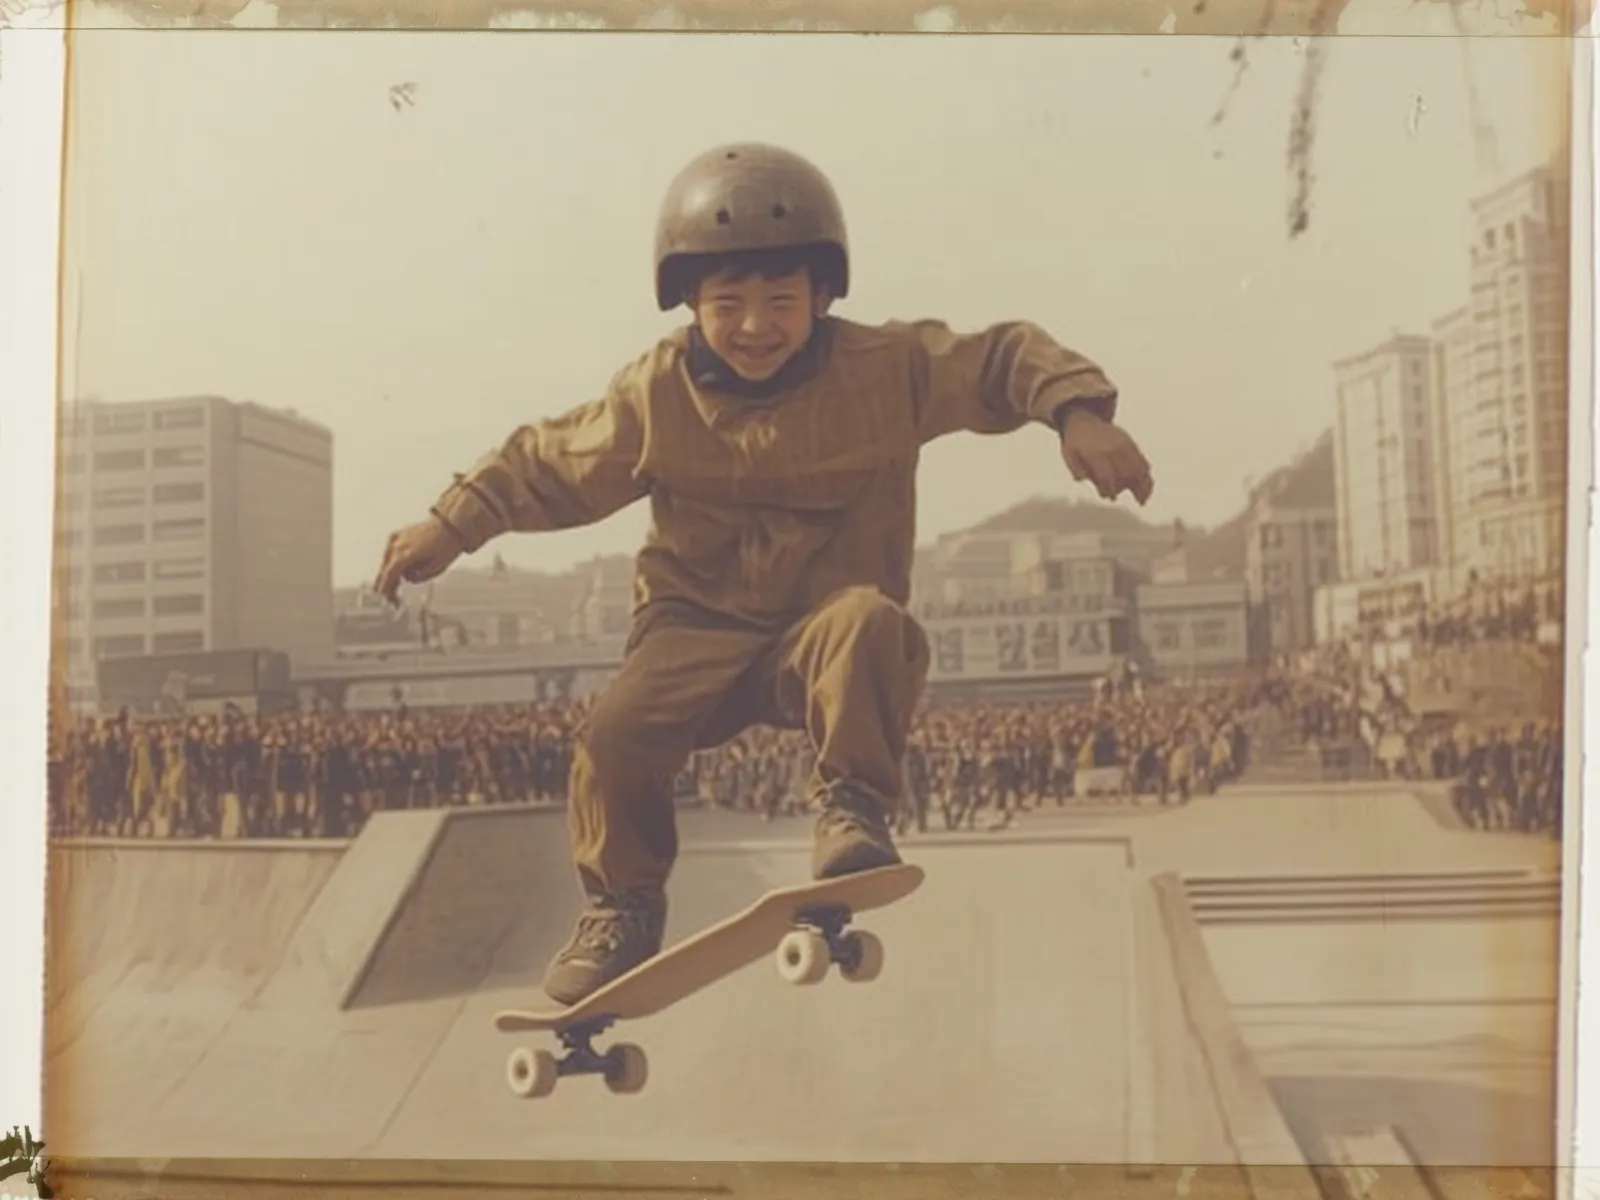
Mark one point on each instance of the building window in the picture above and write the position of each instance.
(119, 422)
(180, 456)
(1210, 634)
(1169, 636)
(185, 530)
(127, 572)
(119, 460)
(72, 464)
(118, 535)
(127, 497)
(180, 418)
(119, 610)
(178, 643)
(178, 493)
(180, 568)
(173, 606)
(122, 646)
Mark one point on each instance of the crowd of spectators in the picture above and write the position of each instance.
(321, 774)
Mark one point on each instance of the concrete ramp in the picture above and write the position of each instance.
(485, 874)
(1030, 1011)
(1000, 1031)
(149, 949)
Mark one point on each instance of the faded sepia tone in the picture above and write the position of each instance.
(1241, 808)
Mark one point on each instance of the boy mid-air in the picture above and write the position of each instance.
(778, 447)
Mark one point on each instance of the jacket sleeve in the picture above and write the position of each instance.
(1009, 375)
(571, 470)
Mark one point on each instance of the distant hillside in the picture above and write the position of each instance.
(1217, 553)
(1051, 514)
(1307, 482)
(1058, 515)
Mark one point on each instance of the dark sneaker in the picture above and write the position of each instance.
(851, 834)
(614, 935)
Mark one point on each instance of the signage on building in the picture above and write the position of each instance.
(1018, 647)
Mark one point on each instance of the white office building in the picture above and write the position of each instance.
(1384, 463)
(1505, 384)
(191, 524)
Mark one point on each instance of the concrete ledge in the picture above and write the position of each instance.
(234, 845)
(1260, 1136)
(801, 845)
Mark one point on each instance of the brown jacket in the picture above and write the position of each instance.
(762, 511)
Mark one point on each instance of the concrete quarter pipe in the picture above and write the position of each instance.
(308, 1001)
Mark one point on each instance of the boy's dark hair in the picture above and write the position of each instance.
(821, 262)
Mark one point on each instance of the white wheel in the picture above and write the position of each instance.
(626, 1069)
(531, 1073)
(867, 952)
(803, 957)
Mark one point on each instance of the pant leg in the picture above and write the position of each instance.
(629, 749)
(851, 673)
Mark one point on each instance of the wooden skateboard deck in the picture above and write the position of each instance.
(804, 924)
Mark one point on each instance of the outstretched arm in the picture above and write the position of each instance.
(571, 470)
(1001, 379)
(1014, 374)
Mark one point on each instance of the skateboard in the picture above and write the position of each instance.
(804, 927)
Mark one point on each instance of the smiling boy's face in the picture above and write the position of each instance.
(756, 324)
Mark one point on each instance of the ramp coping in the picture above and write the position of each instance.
(1266, 1151)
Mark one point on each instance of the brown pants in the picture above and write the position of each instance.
(849, 674)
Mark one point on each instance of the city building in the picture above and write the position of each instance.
(969, 570)
(1384, 459)
(1461, 439)
(1508, 403)
(1291, 547)
(501, 606)
(191, 524)
(1191, 630)
(605, 609)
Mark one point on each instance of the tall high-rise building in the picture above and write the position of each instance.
(1456, 430)
(188, 524)
(1384, 459)
(1507, 408)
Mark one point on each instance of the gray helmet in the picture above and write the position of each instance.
(747, 196)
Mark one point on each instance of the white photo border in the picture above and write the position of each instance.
(32, 113)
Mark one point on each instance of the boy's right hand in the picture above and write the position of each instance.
(415, 554)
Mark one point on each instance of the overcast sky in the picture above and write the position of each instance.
(250, 215)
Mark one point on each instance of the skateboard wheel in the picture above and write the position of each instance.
(531, 1073)
(864, 961)
(803, 957)
(626, 1069)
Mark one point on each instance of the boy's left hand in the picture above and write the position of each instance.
(1104, 453)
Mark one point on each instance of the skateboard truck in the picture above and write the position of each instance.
(820, 940)
(533, 1073)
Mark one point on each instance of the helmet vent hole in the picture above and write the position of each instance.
(779, 211)
(724, 217)
(732, 154)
